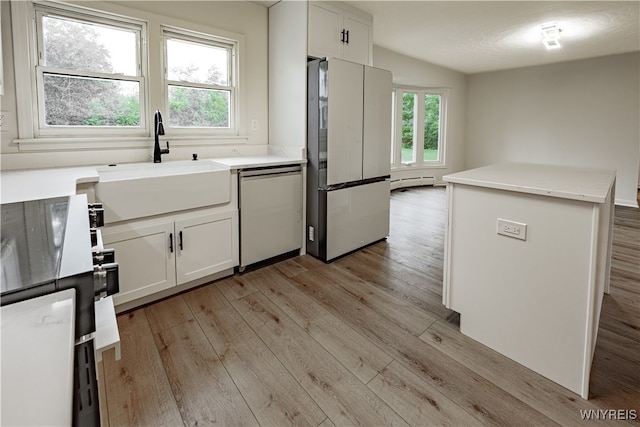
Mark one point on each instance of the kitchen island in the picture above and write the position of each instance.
(527, 261)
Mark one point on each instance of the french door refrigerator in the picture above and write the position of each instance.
(348, 153)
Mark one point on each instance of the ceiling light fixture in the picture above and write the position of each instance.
(551, 36)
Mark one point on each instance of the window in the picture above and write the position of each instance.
(419, 140)
(91, 77)
(88, 74)
(431, 152)
(199, 82)
(409, 133)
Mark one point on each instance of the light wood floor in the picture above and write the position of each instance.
(362, 341)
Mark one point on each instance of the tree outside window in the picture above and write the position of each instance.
(408, 126)
(431, 127)
(89, 73)
(420, 136)
(199, 85)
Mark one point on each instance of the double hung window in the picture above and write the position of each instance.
(88, 74)
(92, 78)
(199, 81)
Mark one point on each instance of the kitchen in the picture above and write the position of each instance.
(469, 97)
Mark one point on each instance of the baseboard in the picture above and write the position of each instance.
(412, 182)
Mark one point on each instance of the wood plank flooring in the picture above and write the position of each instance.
(361, 341)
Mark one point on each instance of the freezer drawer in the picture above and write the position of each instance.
(356, 216)
(270, 213)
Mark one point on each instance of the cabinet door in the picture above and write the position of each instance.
(377, 123)
(206, 245)
(145, 259)
(323, 33)
(357, 43)
(344, 124)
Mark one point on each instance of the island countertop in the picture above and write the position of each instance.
(586, 184)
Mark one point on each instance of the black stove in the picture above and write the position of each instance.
(51, 245)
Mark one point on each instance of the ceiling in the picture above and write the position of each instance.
(479, 36)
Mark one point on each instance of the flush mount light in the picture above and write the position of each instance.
(550, 36)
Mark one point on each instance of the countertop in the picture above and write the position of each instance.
(258, 161)
(21, 185)
(585, 184)
(37, 360)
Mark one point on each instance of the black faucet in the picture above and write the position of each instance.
(159, 130)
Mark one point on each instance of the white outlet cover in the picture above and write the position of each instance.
(514, 229)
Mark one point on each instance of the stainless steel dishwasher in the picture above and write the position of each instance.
(270, 212)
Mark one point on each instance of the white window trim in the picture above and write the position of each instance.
(40, 127)
(24, 37)
(232, 73)
(419, 161)
(29, 77)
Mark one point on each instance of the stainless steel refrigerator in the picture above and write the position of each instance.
(348, 152)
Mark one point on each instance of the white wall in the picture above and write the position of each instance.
(578, 113)
(245, 18)
(413, 72)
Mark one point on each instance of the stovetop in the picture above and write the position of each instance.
(38, 240)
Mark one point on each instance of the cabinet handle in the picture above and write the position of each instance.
(342, 34)
(180, 240)
(171, 242)
(347, 37)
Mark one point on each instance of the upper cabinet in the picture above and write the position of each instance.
(298, 30)
(333, 31)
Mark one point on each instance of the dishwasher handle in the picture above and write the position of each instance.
(250, 173)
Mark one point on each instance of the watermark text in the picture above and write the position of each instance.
(609, 414)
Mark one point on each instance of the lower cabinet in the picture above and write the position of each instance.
(160, 253)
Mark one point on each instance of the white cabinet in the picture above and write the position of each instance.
(205, 245)
(160, 253)
(335, 32)
(146, 263)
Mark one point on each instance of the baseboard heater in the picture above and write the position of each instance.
(412, 182)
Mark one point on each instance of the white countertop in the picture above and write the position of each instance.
(258, 161)
(21, 185)
(585, 184)
(37, 360)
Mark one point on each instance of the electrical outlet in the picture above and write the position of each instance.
(312, 234)
(513, 229)
(3, 120)
(254, 125)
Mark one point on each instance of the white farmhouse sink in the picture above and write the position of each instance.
(136, 190)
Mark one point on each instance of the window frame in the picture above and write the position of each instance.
(418, 127)
(170, 32)
(40, 127)
(24, 39)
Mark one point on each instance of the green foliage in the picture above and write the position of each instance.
(76, 101)
(431, 121)
(190, 107)
(408, 110)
